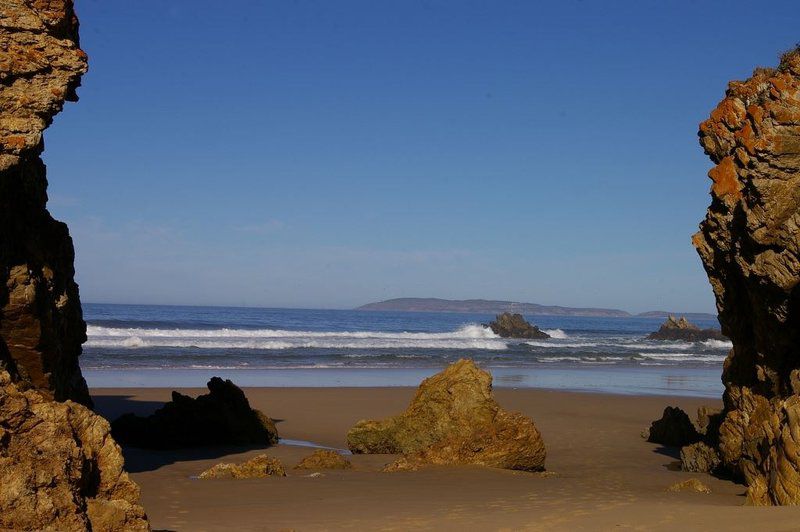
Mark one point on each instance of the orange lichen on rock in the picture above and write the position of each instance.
(750, 250)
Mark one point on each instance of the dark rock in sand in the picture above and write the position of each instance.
(674, 429)
(507, 325)
(262, 466)
(453, 419)
(221, 417)
(324, 459)
(682, 329)
(750, 249)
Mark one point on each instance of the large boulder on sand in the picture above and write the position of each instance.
(453, 419)
(682, 329)
(220, 417)
(507, 325)
(674, 429)
(59, 467)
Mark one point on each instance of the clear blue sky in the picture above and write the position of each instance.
(327, 154)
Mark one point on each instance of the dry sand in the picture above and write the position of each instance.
(606, 475)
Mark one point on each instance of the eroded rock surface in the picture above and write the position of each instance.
(508, 325)
(751, 251)
(453, 419)
(261, 466)
(324, 459)
(221, 417)
(682, 329)
(690, 485)
(59, 467)
(41, 326)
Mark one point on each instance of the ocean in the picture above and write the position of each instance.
(144, 345)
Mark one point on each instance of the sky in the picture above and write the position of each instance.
(321, 154)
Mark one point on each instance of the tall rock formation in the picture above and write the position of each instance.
(60, 469)
(750, 247)
(41, 326)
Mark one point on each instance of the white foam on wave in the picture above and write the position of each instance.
(552, 345)
(718, 344)
(683, 357)
(558, 334)
(468, 337)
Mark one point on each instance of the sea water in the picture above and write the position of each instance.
(142, 345)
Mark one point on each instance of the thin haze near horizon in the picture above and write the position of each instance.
(328, 154)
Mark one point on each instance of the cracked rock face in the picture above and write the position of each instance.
(750, 247)
(59, 467)
(41, 326)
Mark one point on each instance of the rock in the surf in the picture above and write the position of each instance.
(682, 329)
(674, 429)
(324, 459)
(223, 416)
(453, 419)
(261, 466)
(507, 325)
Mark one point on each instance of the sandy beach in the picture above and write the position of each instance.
(605, 476)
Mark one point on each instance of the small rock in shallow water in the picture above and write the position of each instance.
(261, 466)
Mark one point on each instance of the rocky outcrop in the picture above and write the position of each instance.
(691, 485)
(674, 429)
(41, 327)
(750, 249)
(222, 416)
(507, 325)
(324, 459)
(682, 329)
(59, 467)
(261, 466)
(699, 458)
(453, 419)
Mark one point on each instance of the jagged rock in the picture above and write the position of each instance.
(41, 325)
(324, 459)
(689, 485)
(222, 416)
(674, 429)
(453, 419)
(699, 458)
(261, 466)
(708, 419)
(682, 329)
(750, 249)
(509, 325)
(59, 467)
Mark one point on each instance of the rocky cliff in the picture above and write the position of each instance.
(749, 243)
(41, 327)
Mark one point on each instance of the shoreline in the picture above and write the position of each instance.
(617, 380)
(603, 474)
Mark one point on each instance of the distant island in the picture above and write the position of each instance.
(486, 306)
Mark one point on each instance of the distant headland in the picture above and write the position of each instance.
(486, 306)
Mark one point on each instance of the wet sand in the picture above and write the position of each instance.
(606, 475)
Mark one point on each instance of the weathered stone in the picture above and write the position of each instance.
(681, 329)
(453, 419)
(699, 458)
(59, 467)
(708, 419)
(692, 485)
(674, 429)
(222, 416)
(509, 325)
(324, 459)
(750, 249)
(261, 466)
(41, 325)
